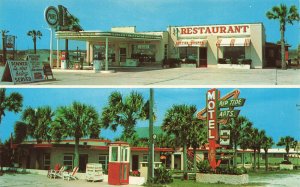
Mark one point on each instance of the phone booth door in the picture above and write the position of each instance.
(124, 165)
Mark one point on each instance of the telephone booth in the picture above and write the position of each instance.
(118, 166)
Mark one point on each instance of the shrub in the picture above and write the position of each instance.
(135, 173)
(172, 62)
(203, 166)
(162, 176)
(247, 61)
(286, 162)
(231, 170)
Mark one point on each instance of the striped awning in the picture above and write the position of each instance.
(191, 43)
(223, 42)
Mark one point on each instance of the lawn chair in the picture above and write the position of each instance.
(50, 171)
(70, 175)
(59, 173)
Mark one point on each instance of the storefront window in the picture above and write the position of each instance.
(188, 55)
(234, 53)
(144, 52)
(99, 52)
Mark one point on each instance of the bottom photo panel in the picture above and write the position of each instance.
(146, 136)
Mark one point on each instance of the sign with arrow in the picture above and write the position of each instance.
(228, 114)
(231, 103)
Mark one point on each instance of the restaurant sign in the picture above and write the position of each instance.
(221, 30)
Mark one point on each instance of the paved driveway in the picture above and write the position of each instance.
(175, 77)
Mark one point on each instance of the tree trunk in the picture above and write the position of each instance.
(258, 159)
(234, 155)
(243, 158)
(282, 29)
(184, 159)
(254, 160)
(4, 51)
(76, 153)
(266, 161)
(195, 160)
(34, 45)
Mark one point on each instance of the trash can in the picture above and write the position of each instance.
(97, 65)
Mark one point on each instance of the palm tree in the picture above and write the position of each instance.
(260, 138)
(197, 138)
(11, 103)
(78, 120)
(253, 137)
(38, 122)
(266, 145)
(124, 112)
(236, 127)
(284, 15)
(178, 121)
(35, 34)
(245, 139)
(288, 142)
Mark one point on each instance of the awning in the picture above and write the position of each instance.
(191, 43)
(223, 42)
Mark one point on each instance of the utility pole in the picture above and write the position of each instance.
(151, 139)
(4, 44)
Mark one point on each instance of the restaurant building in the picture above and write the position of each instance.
(199, 46)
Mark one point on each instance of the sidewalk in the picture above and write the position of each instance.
(174, 77)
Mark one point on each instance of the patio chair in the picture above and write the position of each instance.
(50, 171)
(71, 175)
(57, 173)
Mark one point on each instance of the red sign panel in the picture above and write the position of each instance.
(211, 99)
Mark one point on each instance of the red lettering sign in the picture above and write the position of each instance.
(227, 29)
(212, 97)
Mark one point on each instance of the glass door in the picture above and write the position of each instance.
(123, 55)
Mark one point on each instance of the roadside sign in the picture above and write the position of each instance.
(17, 72)
(231, 103)
(37, 67)
(229, 114)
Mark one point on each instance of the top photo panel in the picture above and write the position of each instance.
(149, 42)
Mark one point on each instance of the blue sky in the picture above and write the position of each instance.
(20, 16)
(272, 109)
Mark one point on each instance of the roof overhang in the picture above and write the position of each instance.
(101, 36)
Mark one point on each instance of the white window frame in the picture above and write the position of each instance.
(105, 165)
(72, 160)
(47, 165)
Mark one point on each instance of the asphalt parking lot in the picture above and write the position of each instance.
(178, 77)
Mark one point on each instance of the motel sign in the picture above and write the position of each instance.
(213, 116)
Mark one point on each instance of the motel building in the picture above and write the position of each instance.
(240, 45)
(45, 155)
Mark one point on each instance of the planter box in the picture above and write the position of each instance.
(222, 178)
(286, 166)
(234, 66)
(188, 65)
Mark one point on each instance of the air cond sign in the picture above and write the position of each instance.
(220, 30)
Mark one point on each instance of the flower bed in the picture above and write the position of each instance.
(222, 178)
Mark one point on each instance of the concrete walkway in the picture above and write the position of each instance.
(36, 180)
(175, 77)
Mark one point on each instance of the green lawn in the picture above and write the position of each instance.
(180, 183)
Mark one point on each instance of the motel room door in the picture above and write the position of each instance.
(83, 160)
(135, 163)
(203, 57)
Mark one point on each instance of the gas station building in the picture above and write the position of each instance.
(203, 45)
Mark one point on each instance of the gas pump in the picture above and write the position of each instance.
(118, 166)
